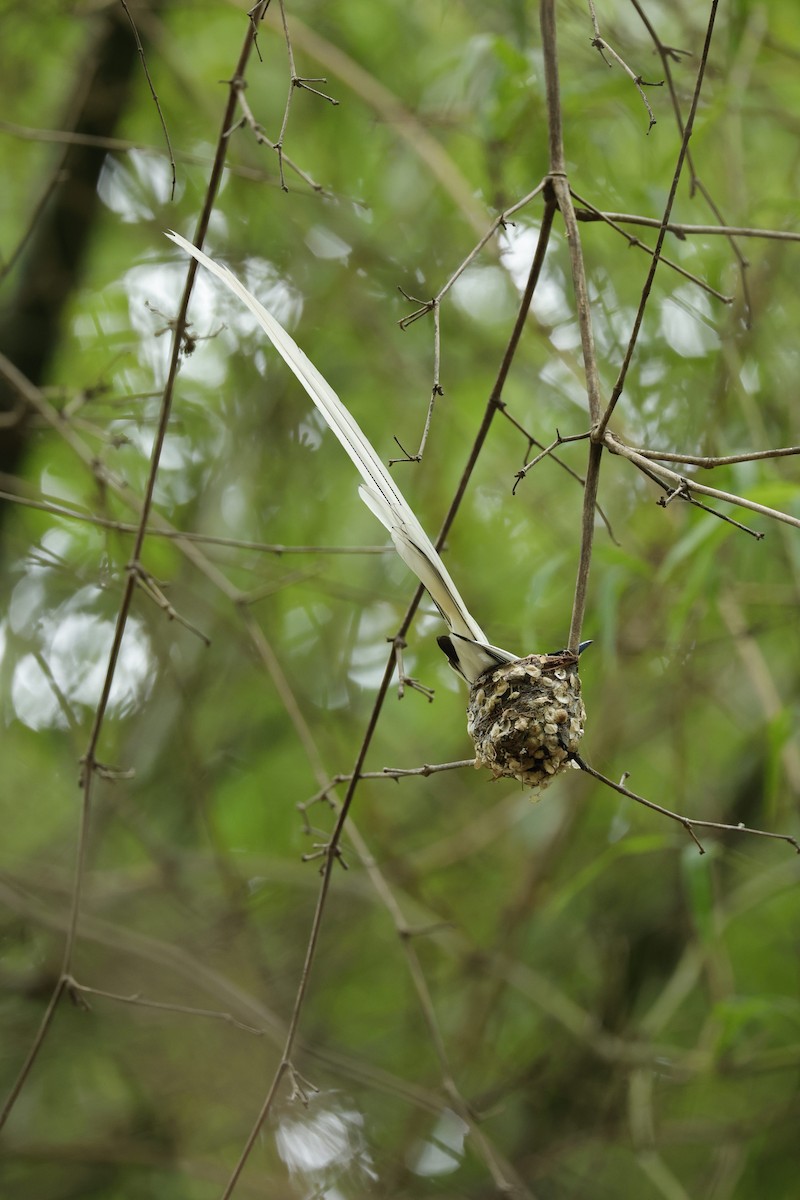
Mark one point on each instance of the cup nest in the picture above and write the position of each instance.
(526, 718)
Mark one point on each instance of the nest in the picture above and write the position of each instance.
(526, 718)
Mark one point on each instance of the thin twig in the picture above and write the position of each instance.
(682, 492)
(437, 389)
(248, 119)
(558, 176)
(667, 54)
(434, 305)
(601, 45)
(532, 441)
(295, 80)
(154, 94)
(425, 770)
(426, 306)
(150, 588)
(681, 231)
(662, 233)
(673, 480)
(725, 460)
(141, 1001)
(393, 773)
(404, 680)
(545, 452)
(634, 242)
(406, 124)
(689, 823)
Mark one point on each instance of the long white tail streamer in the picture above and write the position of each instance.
(470, 654)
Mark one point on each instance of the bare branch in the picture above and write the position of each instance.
(562, 192)
(662, 233)
(258, 132)
(603, 48)
(688, 486)
(154, 94)
(681, 231)
(634, 242)
(137, 999)
(725, 460)
(668, 54)
(690, 824)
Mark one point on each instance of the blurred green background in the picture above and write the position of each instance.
(620, 1014)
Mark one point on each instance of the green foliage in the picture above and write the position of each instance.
(615, 1013)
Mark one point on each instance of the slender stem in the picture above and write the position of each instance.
(662, 232)
(673, 480)
(683, 231)
(587, 539)
(580, 288)
(689, 823)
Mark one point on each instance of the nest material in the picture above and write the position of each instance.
(526, 718)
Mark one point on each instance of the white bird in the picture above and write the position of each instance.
(466, 646)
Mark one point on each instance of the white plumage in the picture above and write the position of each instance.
(467, 648)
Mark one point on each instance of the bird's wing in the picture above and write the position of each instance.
(379, 491)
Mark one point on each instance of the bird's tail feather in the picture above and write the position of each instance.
(379, 491)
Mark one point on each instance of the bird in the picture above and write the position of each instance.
(531, 743)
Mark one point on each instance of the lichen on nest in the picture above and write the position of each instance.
(526, 718)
